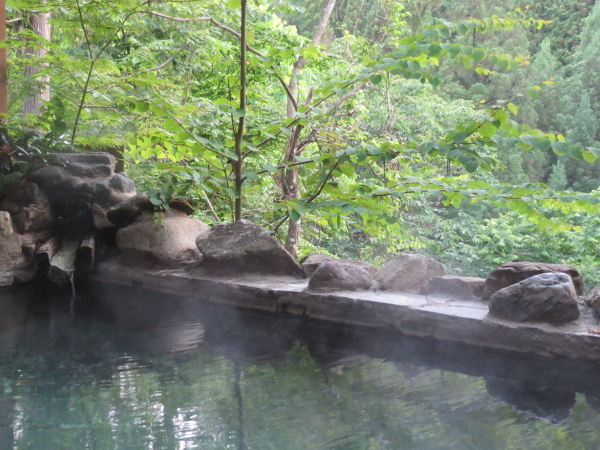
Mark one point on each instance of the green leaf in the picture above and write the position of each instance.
(286, 131)
(142, 106)
(472, 165)
(433, 248)
(347, 169)
(375, 78)
(239, 112)
(479, 54)
(172, 125)
(459, 137)
(270, 168)
(294, 215)
(532, 92)
(487, 130)
(589, 157)
(513, 108)
(529, 140)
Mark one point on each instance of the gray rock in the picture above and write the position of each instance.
(122, 183)
(99, 218)
(245, 247)
(341, 275)
(548, 297)
(169, 242)
(24, 194)
(47, 177)
(453, 286)
(311, 262)
(514, 272)
(36, 217)
(89, 165)
(593, 298)
(126, 212)
(408, 272)
(95, 191)
(314, 260)
(10, 244)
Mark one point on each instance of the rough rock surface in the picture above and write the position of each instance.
(10, 244)
(593, 298)
(408, 272)
(169, 242)
(548, 297)
(245, 247)
(69, 196)
(453, 286)
(513, 272)
(313, 261)
(342, 275)
(89, 165)
(126, 212)
(36, 216)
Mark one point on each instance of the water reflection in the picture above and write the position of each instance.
(553, 405)
(133, 370)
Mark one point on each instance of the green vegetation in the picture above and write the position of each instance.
(466, 129)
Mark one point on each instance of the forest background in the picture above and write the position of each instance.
(361, 128)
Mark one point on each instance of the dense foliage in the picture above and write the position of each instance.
(421, 125)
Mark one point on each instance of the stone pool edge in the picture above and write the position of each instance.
(463, 321)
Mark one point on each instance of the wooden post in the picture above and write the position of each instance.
(3, 71)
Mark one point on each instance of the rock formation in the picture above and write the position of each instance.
(548, 297)
(64, 200)
(342, 275)
(513, 272)
(167, 240)
(245, 247)
(408, 272)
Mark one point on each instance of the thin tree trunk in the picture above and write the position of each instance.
(239, 136)
(32, 104)
(291, 185)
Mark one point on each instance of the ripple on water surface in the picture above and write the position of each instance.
(130, 370)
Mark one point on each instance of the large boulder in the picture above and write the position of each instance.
(342, 275)
(548, 297)
(48, 177)
(514, 272)
(313, 261)
(88, 165)
(170, 241)
(245, 247)
(408, 272)
(453, 286)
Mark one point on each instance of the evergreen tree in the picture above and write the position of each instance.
(585, 124)
(565, 18)
(558, 177)
(548, 105)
